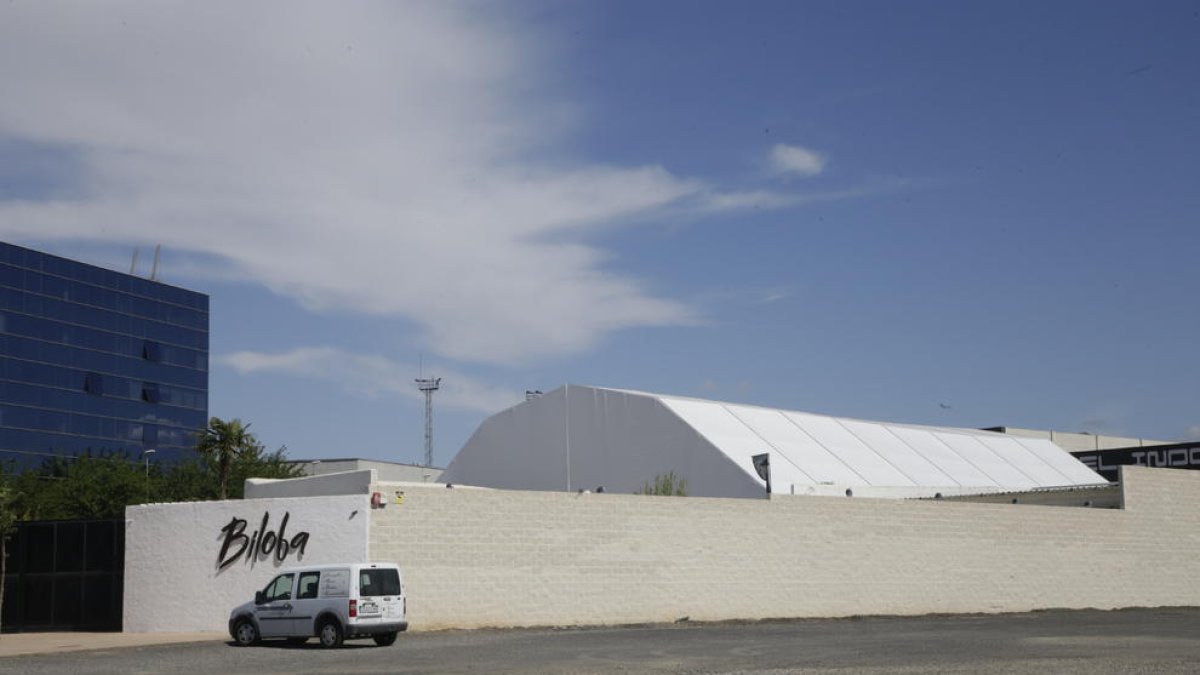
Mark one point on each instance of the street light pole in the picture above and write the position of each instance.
(146, 454)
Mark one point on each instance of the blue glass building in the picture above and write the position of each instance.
(96, 361)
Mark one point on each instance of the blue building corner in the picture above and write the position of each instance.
(93, 361)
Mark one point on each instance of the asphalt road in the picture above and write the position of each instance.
(1092, 642)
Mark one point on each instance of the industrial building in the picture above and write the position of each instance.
(1105, 454)
(588, 438)
(385, 471)
(97, 362)
(1080, 441)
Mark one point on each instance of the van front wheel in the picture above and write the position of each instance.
(245, 633)
(330, 634)
(385, 639)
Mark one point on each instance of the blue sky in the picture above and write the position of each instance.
(969, 214)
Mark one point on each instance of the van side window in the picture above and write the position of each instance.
(308, 585)
(279, 589)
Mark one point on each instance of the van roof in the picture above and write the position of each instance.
(332, 566)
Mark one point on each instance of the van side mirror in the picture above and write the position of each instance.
(259, 598)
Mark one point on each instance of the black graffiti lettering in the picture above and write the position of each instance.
(233, 532)
(282, 547)
(260, 536)
(262, 543)
(268, 544)
(299, 542)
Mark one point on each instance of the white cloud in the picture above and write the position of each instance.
(753, 199)
(749, 295)
(1194, 431)
(370, 376)
(380, 158)
(796, 159)
(774, 295)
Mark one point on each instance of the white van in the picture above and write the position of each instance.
(331, 602)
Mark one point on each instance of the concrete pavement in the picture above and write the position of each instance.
(1086, 642)
(14, 644)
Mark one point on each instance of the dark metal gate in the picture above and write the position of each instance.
(65, 575)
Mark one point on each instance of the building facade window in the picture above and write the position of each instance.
(93, 383)
(151, 351)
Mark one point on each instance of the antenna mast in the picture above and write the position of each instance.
(428, 385)
(154, 269)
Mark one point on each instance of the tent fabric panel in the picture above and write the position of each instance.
(621, 441)
(830, 434)
(721, 428)
(783, 470)
(797, 458)
(1076, 472)
(1024, 459)
(952, 463)
(1000, 469)
(903, 456)
(523, 447)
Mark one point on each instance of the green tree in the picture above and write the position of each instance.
(78, 487)
(101, 487)
(198, 479)
(665, 485)
(225, 442)
(261, 464)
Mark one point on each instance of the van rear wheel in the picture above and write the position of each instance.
(330, 634)
(385, 639)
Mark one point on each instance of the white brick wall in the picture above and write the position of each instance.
(498, 558)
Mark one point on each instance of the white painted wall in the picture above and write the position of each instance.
(172, 580)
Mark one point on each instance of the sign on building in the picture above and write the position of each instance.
(1175, 456)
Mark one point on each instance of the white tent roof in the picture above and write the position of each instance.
(582, 437)
(809, 449)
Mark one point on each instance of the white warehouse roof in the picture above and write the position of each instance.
(579, 437)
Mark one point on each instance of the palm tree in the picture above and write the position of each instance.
(224, 442)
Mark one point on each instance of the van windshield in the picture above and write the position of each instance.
(378, 582)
